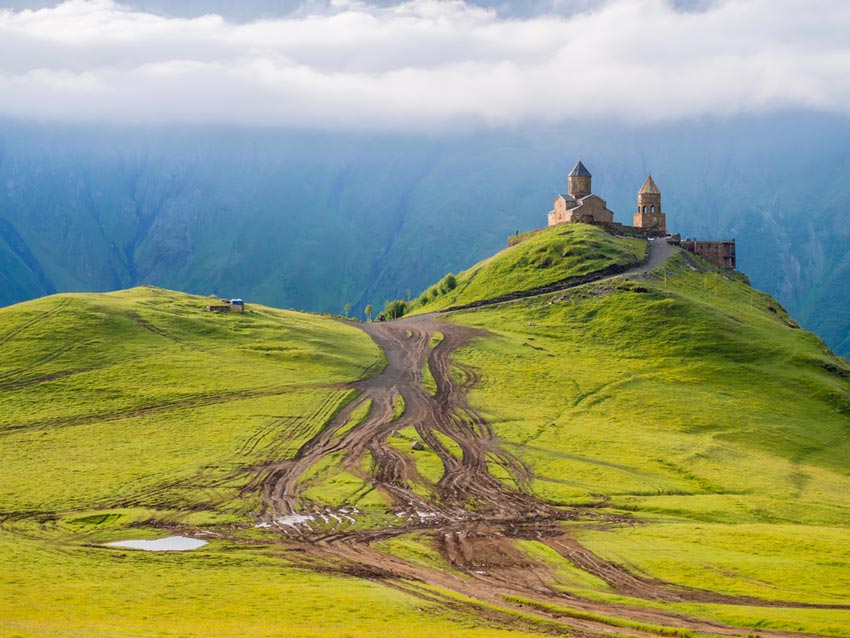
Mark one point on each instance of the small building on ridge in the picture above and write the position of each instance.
(719, 253)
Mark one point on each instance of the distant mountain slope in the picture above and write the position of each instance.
(317, 220)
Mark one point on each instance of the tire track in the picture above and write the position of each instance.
(14, 332)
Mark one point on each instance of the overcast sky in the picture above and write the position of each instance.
(423, 64)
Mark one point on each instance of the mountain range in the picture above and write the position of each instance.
(317, 220)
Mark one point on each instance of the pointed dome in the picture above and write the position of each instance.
(579, 171)
(649, 187)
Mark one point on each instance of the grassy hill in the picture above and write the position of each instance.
(700, 434)
(686, 398)
(542, 258)
(696, 403)
(136, 414)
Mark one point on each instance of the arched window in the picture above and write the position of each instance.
(644, 209)
(652, 209)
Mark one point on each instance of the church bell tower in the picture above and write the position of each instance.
(649, 215)
(578, 181)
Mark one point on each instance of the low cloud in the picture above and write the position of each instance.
(426, 63)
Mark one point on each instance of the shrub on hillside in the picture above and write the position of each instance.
(447, 283)
(395, 309)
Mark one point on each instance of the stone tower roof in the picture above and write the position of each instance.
(649, 187)
(579, 171)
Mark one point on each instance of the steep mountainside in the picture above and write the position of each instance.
(317, 220)
(656, 453)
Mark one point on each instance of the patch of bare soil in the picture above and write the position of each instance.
(472, 519)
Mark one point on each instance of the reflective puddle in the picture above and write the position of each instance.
(170, 544)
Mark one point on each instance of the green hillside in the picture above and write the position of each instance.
(654, 454)
(694, 402)
(136, 414)
(542, 258)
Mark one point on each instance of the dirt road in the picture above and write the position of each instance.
(466, 485)
(472, 519)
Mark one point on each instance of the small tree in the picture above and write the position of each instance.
(368, 312)
(395, 309)
(347, 308)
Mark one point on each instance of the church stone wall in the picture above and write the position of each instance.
(651, 221)
(592, 209)
(720, 253)
(579, 185)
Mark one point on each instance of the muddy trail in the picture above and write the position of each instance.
(472, 519)
(462, 439)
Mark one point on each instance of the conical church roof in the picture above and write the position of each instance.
(649, 187)
(579, 171)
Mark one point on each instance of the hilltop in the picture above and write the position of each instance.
(544, 258)
(657, 452)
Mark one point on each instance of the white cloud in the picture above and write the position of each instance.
(425, 63)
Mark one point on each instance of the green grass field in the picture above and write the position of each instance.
(193, 398)
(135, 414)
(54, 586)
(683, 399)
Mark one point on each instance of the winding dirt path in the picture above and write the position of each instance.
(470, 517)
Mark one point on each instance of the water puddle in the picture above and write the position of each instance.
(318, 520)
(293, 520)
(170, 544)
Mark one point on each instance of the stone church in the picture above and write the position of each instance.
(579, 204)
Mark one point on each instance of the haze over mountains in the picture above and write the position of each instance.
(322, 153)
(314, 220)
